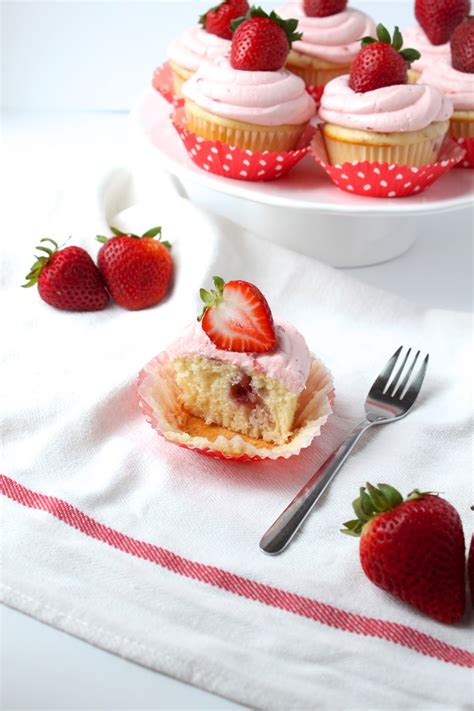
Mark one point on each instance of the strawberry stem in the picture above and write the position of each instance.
(383, 35)
(212, 298)
(35, 271)
(373, 501)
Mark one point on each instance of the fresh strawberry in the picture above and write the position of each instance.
(439, 18)
(237, 317)
(380, 62)
(261, 42)
(413, 549)
(217, 20)
(137, 270)
(323, 8)
(67, 278)
(462, 47)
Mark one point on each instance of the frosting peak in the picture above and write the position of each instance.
(335, 38)
(289, 361)
(262, 98)
(398, 108)
(195, 46)
(458, 86)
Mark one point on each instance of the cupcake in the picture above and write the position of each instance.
(249, 99)
(237, 381)
(331, 38)
(374, 115)
(436, 23)
(431, 54)
(456, 80)
(199, 44)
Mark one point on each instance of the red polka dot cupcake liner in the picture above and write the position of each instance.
(162, 82)
(468, 159)
(315, 92)
(384, 180)
(238, 163)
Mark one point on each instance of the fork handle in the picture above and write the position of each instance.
(278, 536)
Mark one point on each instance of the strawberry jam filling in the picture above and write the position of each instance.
(243, 392)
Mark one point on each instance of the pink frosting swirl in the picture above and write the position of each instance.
(196, 45)
(335, 38)
(398, 108)
(458, 86)
(415, 38)
(263, 98)
(289, 362)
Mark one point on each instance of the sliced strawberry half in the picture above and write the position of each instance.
(237, 317)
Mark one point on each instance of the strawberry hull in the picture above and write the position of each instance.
(162, 82)
(237, 163)
(384, 180)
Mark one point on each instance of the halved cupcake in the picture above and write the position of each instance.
(203, 43)
(237, 382)
(374, 115)
(250, 100)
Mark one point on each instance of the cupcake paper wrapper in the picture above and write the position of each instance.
(315, 92)
(163, 83)
(158, 397)
(238, 163)
(384, 180)
(468, 145)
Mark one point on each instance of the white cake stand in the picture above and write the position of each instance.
(303, 210)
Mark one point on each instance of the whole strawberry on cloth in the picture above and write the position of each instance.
(412, 548)
(137, 270)
(439, 18)
(67, 278)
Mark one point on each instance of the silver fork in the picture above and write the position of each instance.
(389, 399)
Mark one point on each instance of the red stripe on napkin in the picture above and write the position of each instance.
(250, 589)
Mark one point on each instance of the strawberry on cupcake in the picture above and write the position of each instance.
(456, 80)
(249, 99)
(375, 115)
(205, 42)
(437, 20)
(331, 38)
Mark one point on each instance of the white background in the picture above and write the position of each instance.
(73, 57)
(99, 55)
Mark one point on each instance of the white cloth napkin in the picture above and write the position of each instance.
(151, 551)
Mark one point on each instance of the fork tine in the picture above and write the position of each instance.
(382, 379)
(397, 377)
(403, 385)
(411, 393)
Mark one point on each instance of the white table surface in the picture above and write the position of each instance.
(42, 668)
